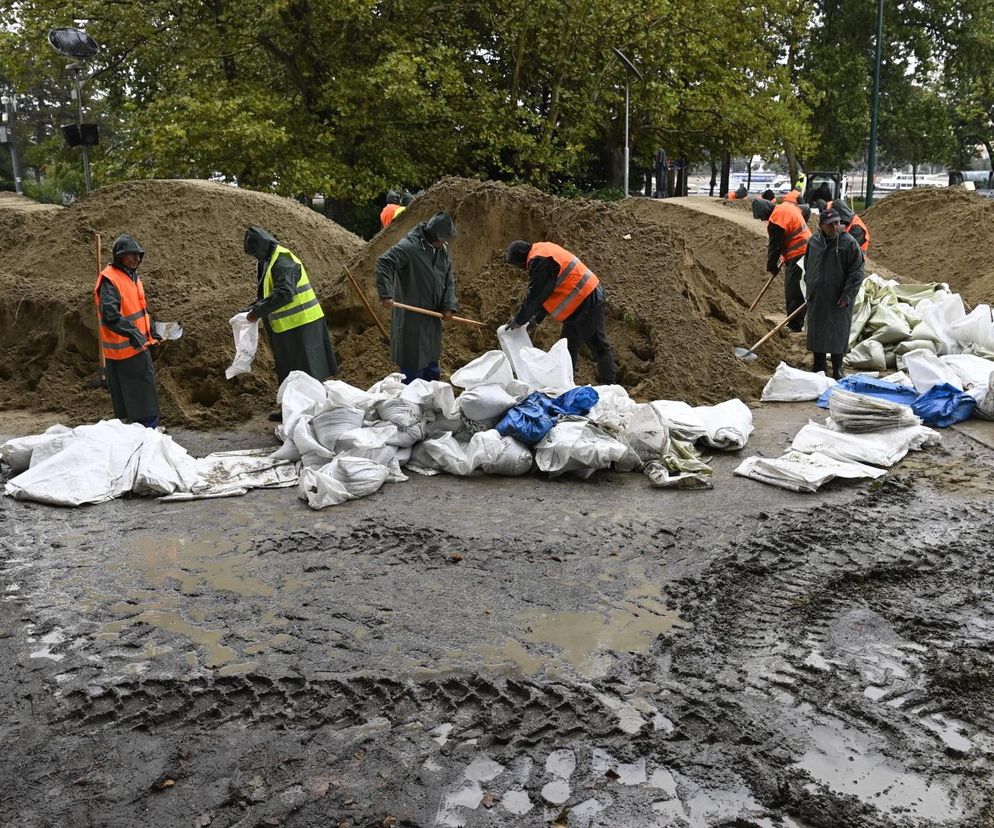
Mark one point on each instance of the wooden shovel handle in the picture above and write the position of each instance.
(365, 301)
(766, 287)
(427, 312)
(777, 328)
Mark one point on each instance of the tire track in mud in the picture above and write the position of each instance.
(858, 634)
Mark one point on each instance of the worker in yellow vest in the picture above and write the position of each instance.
(290, 310)
(563, 287)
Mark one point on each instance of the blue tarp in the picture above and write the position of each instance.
(944, 405)
(532, 418)
(873, 388)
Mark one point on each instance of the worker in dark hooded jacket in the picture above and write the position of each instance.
(563, 287)
(126, 335)
(289, 309)
(833, 272)
(418, 271)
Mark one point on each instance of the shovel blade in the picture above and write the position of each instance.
(746, 355)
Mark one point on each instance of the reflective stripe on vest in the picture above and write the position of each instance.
(133, 309)
(302, 308)
(574, 283)
(796, 232)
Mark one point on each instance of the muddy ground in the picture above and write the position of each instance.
(508, 652)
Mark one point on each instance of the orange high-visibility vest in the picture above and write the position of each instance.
(857, 222)
(574, 283)
(133, 308)
(389, 213)
(795, 230)
(731, 195)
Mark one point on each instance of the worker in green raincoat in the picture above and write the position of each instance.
(418, 271)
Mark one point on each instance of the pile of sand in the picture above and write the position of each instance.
(937, 235)
(677, 286)
(194, 271)
(673, 322)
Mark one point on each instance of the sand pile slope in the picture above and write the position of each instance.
(672, 321)
(194, 271)
(937, 235)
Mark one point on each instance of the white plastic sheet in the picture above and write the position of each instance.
(881, 448)
(801, 472)
(794, 385)
(860, 413)
(19, 452)
(246, 336)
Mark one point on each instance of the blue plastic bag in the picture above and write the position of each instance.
(890, 391)
(532, 418)
(944, 405)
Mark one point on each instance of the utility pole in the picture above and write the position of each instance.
(871, 164)
(9, 136)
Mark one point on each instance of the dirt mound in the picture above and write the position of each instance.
(673, 322)
(937, 235)
(194, 271)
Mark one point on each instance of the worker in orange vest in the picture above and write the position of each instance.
(791, 198)
(738, 194)
(851, 222)
(788, 233)
(392, 209)
(563, 287)
(126, 335)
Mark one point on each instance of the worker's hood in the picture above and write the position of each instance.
(762, 209)
(845, 213)
(440, 227)
(126, 244)
(259, 243)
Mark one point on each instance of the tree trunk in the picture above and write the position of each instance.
(914, 173)
(749, 174)
(793, 165)
(726, 175)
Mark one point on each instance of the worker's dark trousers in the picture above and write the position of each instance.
(586, 327)
(821, 364)
(793, 298)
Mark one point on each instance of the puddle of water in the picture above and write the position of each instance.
(842, 759)
(561, 763)
(556, 792)
(516, 802)
(217, 562)
(49, 640)
(586, 641)
(217, 654)
(468, 795)
(483, 769)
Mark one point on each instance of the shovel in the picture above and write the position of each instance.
(766, 287)
(427, 312)
(749, 354)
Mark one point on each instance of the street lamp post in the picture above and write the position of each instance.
(629, 69)
(9, 111)
(77, 93)
(871, 164)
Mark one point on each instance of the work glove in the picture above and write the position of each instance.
(842, 303)
(511, 325)
(531, 325)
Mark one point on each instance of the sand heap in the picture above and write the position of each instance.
(194, 271)
(672, 321)
(673, 318)
(937, 235)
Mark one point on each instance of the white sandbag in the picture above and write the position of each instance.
(727, 425)
(971, 370)
(683, 421)
(400, 412)
(383, 455)
(923, 331)
(985, 400)
(367, 437)
(512, 343)
(514, 460)
(880, 448)
(976, 328)
(801, 472)
(613, 408)
(332, 421)
(927, 370)
(941, 315)
(549, 371)
(298, 394)
(868, 355)
(407, 437)
(18, 452)
(484, 447)
(888, 326)
(793, 385)
(422, 462)
(164, 467)
(491, 368)
(899, 378)
(340, 393)
(225, 473)
(99, 464)
(246, 336)
(344, 478)
(646, 435)
(910, 345)
(312, 452)
(391, 385)
(485, 402)
(442, 425)
(577, 445)
(431, 396)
